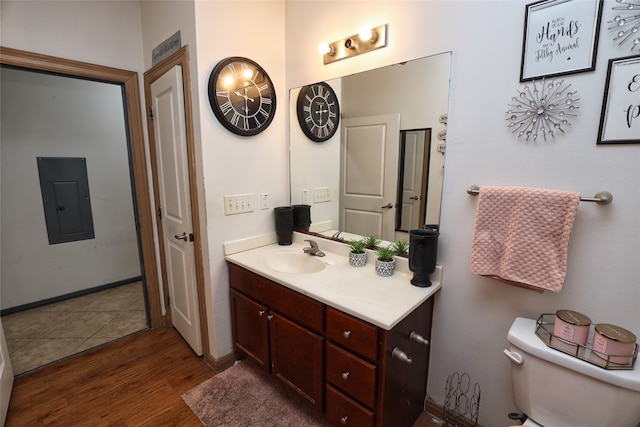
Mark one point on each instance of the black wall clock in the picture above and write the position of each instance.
(318, 111)
(242, 96)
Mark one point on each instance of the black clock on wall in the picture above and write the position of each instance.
(318, 111)
(242, 96)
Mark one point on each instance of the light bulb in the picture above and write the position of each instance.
(325, 48)
(366, 35)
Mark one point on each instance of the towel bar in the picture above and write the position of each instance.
(601, 198)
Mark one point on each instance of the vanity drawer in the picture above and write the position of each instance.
(358, 336)
(297, 307)
(352, 375)
(248, 283)
(342, 411)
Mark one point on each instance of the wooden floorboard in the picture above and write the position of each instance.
(136, 381)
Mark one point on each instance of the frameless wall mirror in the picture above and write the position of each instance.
(381, 173)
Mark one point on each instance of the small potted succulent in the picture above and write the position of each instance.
(357, 253)
(401, 247)
(385, 264)
(371, 242)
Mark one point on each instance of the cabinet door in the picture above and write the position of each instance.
(250, 328)
(296, 359)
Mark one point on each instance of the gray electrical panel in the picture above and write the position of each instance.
(65, 197)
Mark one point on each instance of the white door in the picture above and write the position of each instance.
(175, 204)
(369, 175)
(6, 377)
(412, 179)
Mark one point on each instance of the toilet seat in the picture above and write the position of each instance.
(530, 423)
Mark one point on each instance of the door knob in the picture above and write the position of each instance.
(414, 198)
(184, 236)
(387, 206)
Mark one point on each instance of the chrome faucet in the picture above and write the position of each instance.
(313, 249)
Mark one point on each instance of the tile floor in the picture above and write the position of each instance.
(46, 334)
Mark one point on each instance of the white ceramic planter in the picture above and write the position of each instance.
(357, 259)
(385, 268)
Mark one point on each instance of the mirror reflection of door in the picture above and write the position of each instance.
(413, 172)
(368, 173)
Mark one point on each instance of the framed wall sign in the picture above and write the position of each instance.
(620, 118)
(560, 37)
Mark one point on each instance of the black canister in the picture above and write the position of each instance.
(284, 224)
(423, 251)
(302, 216)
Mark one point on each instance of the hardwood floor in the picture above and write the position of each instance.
(137, 381)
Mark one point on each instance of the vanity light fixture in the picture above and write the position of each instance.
(366, 40)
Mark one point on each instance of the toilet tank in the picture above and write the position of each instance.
(558, 390)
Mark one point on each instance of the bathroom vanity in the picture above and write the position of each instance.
(351, 344)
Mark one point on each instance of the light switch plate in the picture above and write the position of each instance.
(321, 194)
(238, 203)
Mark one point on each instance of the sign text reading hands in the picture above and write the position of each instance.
(557, 39)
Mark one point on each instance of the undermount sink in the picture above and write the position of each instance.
(294, 263)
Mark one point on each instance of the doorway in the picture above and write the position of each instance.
(127, 82)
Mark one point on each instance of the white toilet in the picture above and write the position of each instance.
(558, 390)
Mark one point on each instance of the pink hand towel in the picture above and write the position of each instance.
(521, 236)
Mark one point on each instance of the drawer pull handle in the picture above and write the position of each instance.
(346, 334)
(343, 420)
(401, 356)
(416, 337)
(345, 376)
(261, 313)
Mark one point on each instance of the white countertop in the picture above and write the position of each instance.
(359, 291)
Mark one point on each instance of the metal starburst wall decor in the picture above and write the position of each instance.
(542, 110)
(626, 23)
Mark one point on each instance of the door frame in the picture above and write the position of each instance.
(180, 57)
(137, 156)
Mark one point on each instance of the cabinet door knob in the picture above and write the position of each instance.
(261, 313)
(345, 376)
(416, 337)
(269, 317)
(401, 356)
(343, 420)
(346, 334)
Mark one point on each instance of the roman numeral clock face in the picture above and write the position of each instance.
(318, 111)
(242, 96)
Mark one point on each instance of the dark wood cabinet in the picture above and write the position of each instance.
(355, 373)
(250, 328)
(296, 359)
(274, 326)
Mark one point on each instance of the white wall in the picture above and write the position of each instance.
(51, 116)
(226, 163)
(473, 314)
(101, 32)
(234, 164)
